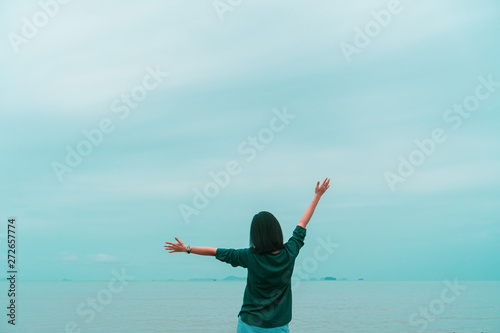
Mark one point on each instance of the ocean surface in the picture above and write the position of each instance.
(212, 306)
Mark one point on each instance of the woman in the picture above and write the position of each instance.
(267, 302)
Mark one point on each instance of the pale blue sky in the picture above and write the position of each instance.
(352, 122)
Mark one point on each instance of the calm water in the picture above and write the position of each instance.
(318, 306)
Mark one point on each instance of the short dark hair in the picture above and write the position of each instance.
(265, 233)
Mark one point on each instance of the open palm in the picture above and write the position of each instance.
(175, 247)
(320, 189)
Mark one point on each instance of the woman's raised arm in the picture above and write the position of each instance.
(320, 190)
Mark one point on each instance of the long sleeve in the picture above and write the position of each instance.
(235, 257)
(296, 242)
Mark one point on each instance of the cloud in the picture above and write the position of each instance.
(450, 178)
(353, 121)
(101, 258)
(90, 258)
(68, 257)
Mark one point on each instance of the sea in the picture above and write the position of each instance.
(212, 306)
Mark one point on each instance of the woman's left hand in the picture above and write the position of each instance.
(176, 247)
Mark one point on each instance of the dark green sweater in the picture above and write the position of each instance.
(267, 301)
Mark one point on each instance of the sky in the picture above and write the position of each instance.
(124, 126)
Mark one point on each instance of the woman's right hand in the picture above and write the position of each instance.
(320, 189)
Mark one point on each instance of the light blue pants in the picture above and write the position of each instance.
(245, 328)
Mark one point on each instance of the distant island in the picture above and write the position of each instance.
(243, 278)
(239, 278)
(234, 278)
